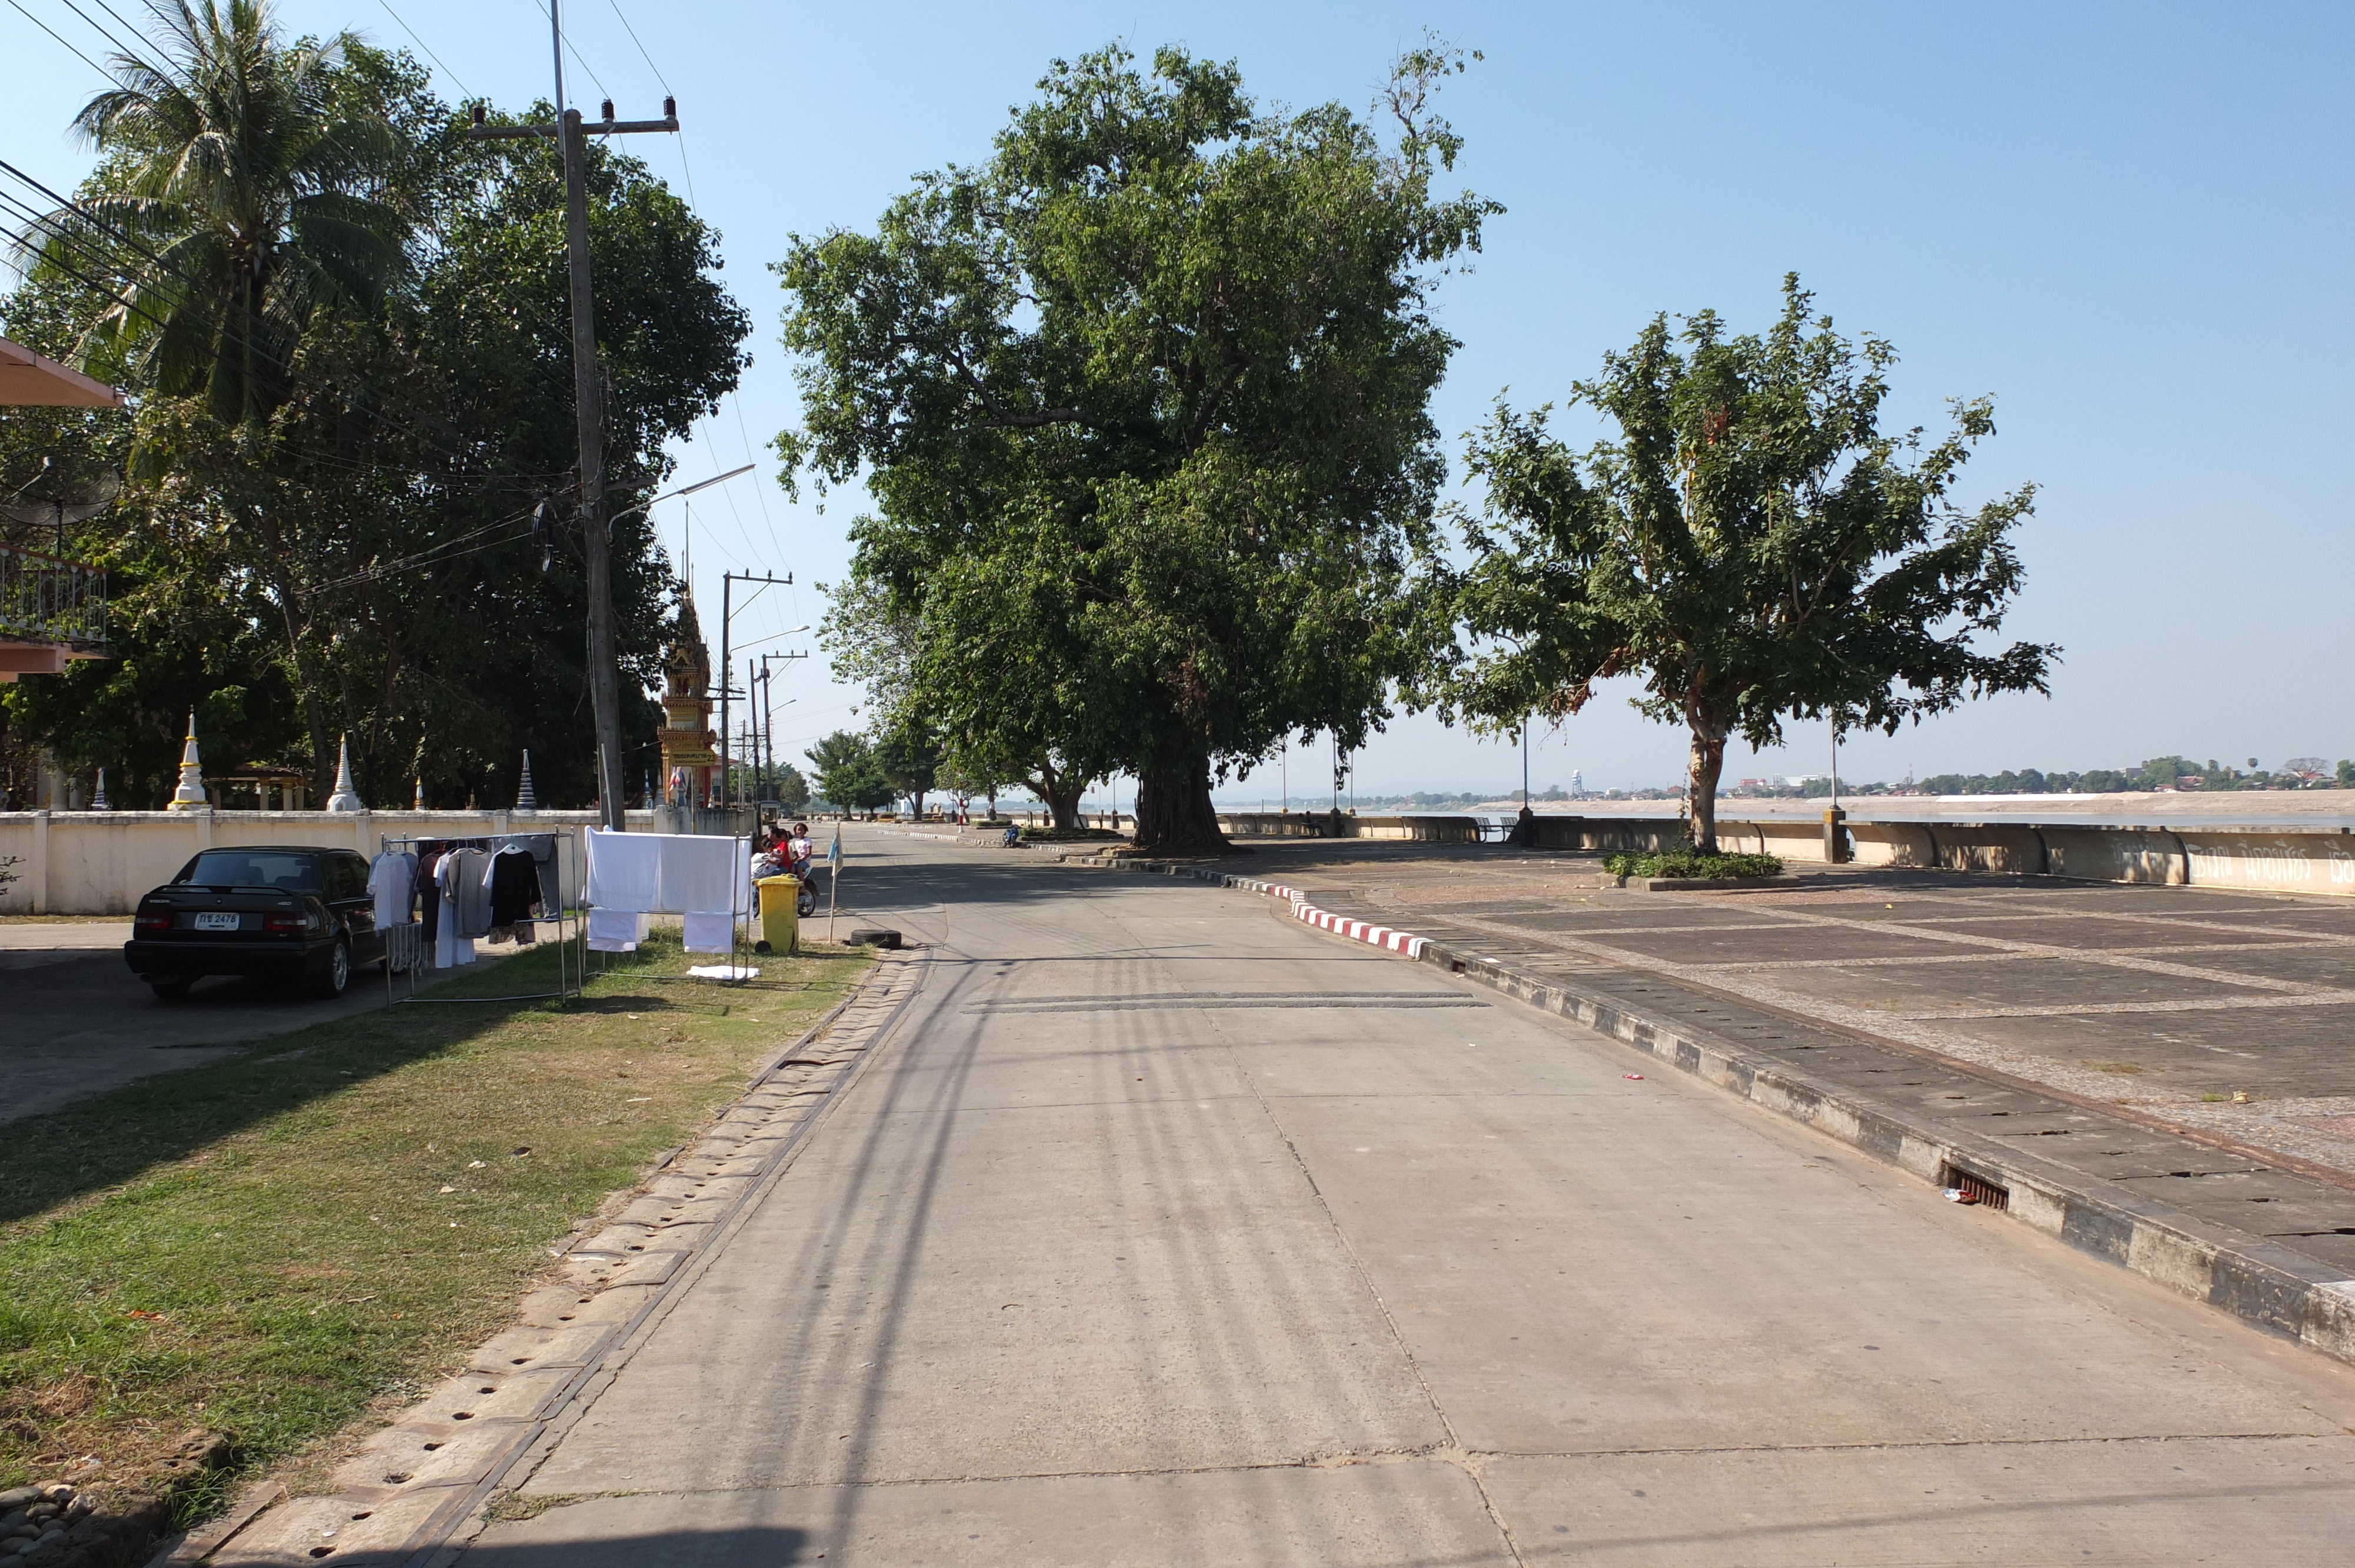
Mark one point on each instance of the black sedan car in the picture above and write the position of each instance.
(300, 914)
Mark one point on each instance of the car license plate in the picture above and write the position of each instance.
(215, 921)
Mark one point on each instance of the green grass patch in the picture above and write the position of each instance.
(1072, 835)
(1686, 861)
(266, 1245)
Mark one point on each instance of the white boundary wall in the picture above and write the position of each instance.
(2255, 857)
(99, 863)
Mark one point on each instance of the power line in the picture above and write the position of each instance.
(66, 205)
(128, 25)
(572, 49)
(421, 42)
(61, 38)
(521, 479)
(642, 48)
(96, 28)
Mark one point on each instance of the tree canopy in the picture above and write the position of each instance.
(1141, 404)
(849, 778)
(1750, 544)
(251, 185)
(390, 550)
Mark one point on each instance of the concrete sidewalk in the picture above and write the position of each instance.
(1163, 1229)
(2164, 1005)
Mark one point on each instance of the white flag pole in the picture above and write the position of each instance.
(833, 879)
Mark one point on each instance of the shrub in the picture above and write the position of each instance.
(1686, 861)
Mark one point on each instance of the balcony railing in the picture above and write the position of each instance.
(45, 599)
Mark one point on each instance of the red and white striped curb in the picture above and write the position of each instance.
(1325, 921)
(1358, 930)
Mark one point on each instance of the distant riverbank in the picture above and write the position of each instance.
(2308, 808)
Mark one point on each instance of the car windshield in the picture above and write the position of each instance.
(255, 868)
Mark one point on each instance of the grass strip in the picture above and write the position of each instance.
(266, 1247)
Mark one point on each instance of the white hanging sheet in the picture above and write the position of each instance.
(668, 873)
(624, 870)
(704, 875)
(709, 933)
(616, 930)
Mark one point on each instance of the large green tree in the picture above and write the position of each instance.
(850, 778)
(1750, 544)
(1141, 403)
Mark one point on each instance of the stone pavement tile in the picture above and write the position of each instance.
(2298, 1053)
(1622, 912)
(1743, 944)
(2132, 1157)
(2141, 899)
(1375, 1515)
(2095, 1503)
(2323, 920)
(1864, 905)
(2093, 931)
(2323, 964)
(1995, 981)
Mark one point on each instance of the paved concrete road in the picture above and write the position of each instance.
(1166, 1230)
(75, 1020)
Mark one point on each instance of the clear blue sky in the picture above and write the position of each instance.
(2128, 223)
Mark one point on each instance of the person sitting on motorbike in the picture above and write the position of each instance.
(800, 853)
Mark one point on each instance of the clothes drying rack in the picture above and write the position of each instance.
(409, 941)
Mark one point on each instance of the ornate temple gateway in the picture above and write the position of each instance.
(690, 765)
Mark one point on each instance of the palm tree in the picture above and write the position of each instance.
(252, 193)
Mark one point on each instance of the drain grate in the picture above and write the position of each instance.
(1973, 1189)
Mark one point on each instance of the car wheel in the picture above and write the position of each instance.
(171, 989)
(339, 972)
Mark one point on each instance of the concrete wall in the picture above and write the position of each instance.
(2320, 859)
(92, 862)
(99, 863)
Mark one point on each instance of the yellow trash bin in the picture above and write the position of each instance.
(780, 925)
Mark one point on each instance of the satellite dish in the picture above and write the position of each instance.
(55, 501)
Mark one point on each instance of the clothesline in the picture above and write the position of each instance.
(704, 879)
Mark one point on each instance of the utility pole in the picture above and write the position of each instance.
(727, 581)
(769, 713)
(752, 723)
(571, 135)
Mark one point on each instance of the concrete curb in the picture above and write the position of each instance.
(2270, 1286)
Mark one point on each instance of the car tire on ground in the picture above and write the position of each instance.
(331, 985)
(171, 989)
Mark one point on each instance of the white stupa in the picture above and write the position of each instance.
(346, 797)
(190, 795)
